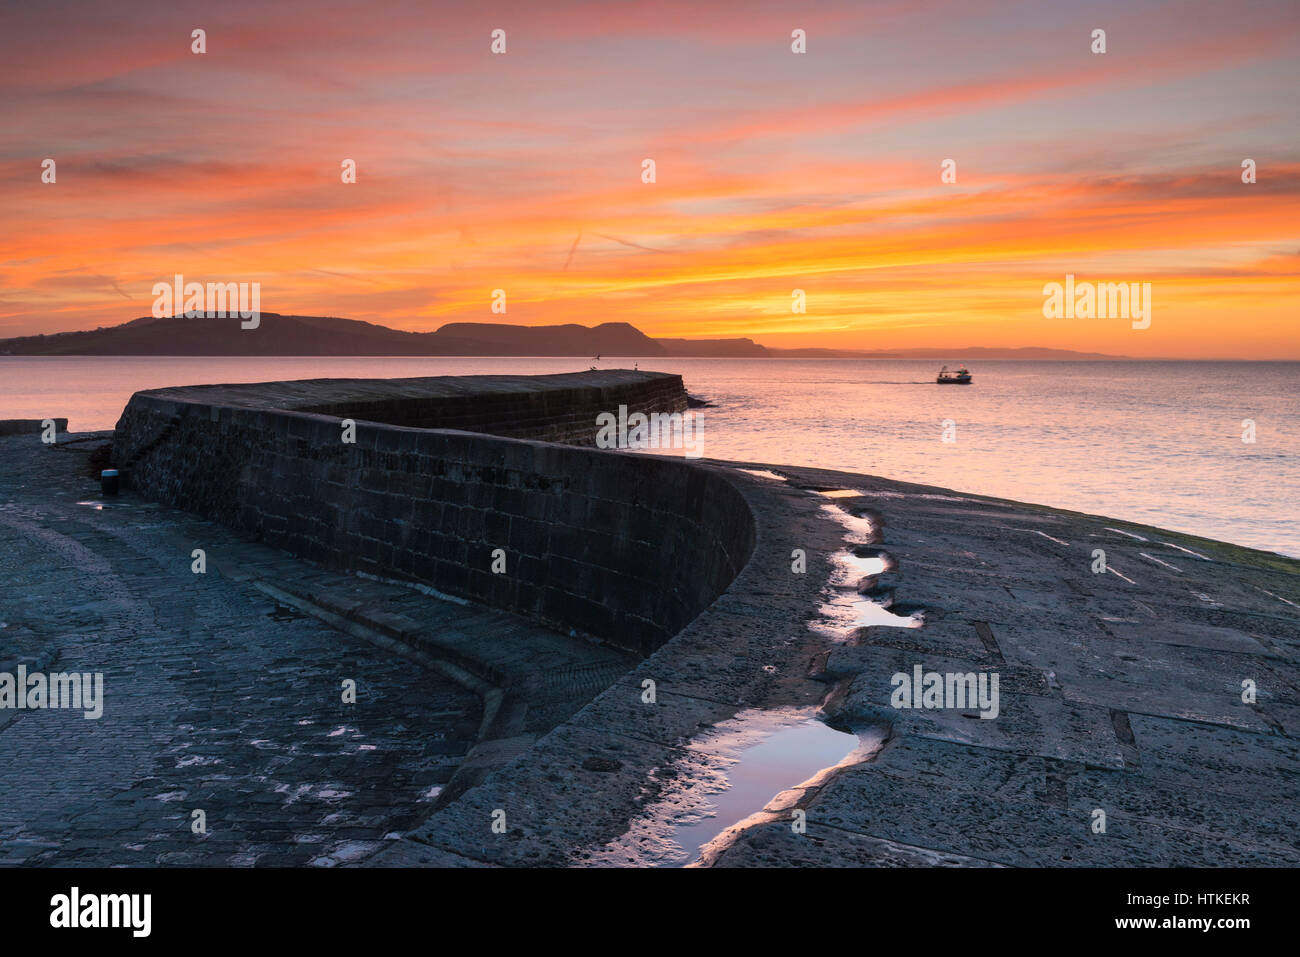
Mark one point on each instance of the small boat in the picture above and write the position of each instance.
(960, 376)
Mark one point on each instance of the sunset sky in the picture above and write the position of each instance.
(775, 170)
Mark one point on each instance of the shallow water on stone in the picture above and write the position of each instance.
(1187, 550)
(847, 610)
(768, 762)
(840, 617)
(851, 569)
(746, 770)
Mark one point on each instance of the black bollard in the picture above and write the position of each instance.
(108, 481)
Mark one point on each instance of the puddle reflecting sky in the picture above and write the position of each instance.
(727, 776)
(780, 759)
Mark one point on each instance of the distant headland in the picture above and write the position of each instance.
(281, 335)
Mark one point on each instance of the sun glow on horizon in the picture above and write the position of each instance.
(775, 171)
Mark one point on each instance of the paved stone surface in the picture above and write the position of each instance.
(218, 696)
(1120, 692)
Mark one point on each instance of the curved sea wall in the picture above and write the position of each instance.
(29, 426)
(626, 548)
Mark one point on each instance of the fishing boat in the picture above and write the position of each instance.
(959, 376)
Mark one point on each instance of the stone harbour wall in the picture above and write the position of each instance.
(557, 413)
(626, 548)
(29, 426)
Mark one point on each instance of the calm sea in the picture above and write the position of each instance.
(1152, 442)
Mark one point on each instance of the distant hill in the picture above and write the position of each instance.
(731, 348)
(571, 339)
(811, 353)
(279, 335)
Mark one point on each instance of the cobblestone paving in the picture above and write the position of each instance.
(215, 697)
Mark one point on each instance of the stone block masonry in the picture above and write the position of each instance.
(28, 426)
(625, 548)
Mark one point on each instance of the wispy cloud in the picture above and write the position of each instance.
(775, 170)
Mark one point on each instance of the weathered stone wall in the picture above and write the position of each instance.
(549, 408)
(28, 426)
(556, 414)
(624, 547)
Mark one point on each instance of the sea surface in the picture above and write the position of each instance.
(1154, 442)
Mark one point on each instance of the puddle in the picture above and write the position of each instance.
(850, 568)
(199, 760)
(757, 766)
(763, 773)
(1256, 587)
(844, 613)
(848, 609)
(750, 768)
(841, 617)
(99, 504)
(1045, 535)
(347, 852)
(862, 530)
(1187, 550)
(1159, 561)
(764, 473)
(886, 493)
